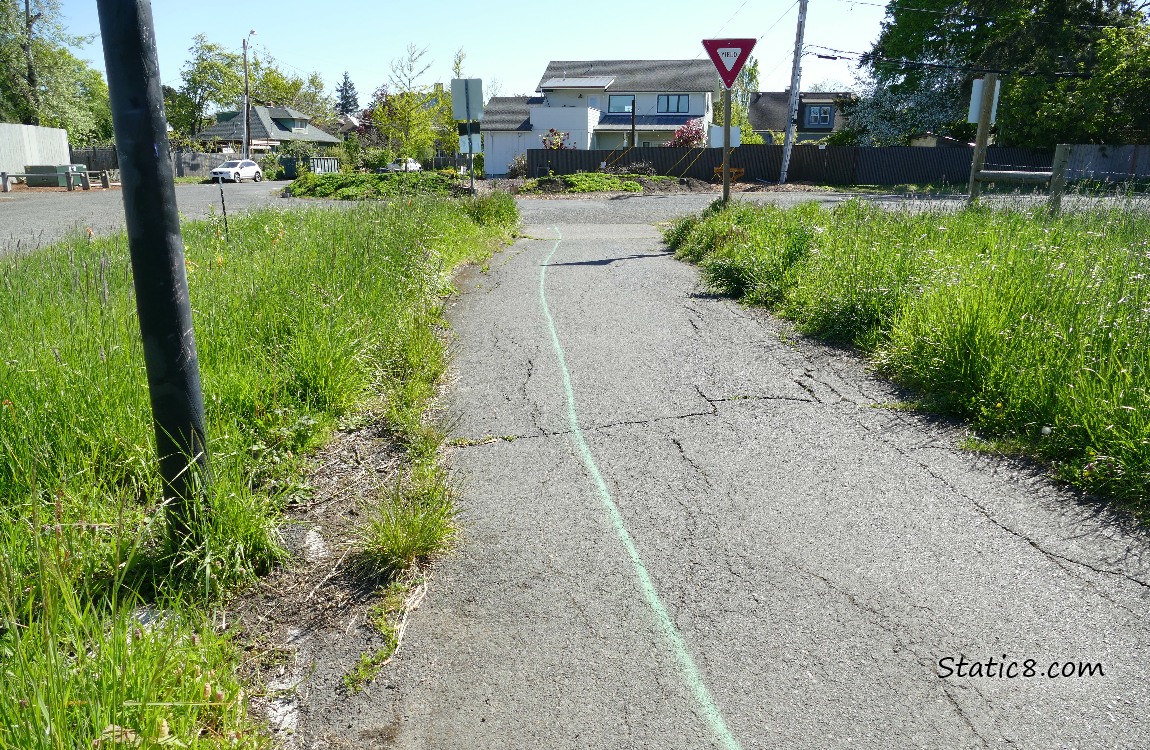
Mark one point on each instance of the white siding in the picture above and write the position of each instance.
(500, 147)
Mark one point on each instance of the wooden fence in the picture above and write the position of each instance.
(830, 165)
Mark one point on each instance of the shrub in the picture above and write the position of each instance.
(271, 167)
(518, 166)
(690, 135)
(375, 159)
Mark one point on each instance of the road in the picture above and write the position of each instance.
(687, 527)
(33, 219)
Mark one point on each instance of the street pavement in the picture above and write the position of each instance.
(686, 526)
(32, 219)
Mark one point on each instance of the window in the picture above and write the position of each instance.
(619, 104)
(674, 103)
(819, 116)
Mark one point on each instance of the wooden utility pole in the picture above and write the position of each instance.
(30, 20)
(158, 271)
(793, 104)
(989, 84)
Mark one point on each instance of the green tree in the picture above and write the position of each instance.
(929, 50)
(41, 81)
(270, 85)
(744, 90)
(410, 118)
(1110, 104)
(212, 78)
(73, 96)
(347, 100)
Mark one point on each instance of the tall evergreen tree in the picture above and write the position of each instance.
(347, 100)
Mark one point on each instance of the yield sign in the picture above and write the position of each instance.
(729, 56)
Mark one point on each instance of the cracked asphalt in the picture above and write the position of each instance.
(817, 549)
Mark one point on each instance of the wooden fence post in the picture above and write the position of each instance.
(1058, 177)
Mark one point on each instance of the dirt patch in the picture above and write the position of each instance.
(307, 624)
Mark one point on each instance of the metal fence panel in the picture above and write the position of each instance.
(26, 145)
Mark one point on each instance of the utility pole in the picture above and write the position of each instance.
(989, 84)
(30, 20)
(246, 150)
(793, 105)
(158, 271)
(634, 106)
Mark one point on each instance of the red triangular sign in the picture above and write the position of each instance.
(729, 55)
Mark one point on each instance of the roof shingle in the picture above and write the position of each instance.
(666, 76)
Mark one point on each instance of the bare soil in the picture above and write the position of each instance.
(307, 624)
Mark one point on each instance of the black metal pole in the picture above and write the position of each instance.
(157, 252)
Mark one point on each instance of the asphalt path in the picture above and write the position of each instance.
(687, 527)
(33, 219)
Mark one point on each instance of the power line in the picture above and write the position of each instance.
(903, 62)
(962, 13)
(773, 25)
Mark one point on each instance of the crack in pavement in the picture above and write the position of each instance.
(883, 621)
(1056, 558)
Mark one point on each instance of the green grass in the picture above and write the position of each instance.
(588, 182)
(303, 319)
(1034, 328)
(386, 615)
(344, 186)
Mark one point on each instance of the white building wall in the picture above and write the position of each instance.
(24, 145)
(500, 147)
(580, 122)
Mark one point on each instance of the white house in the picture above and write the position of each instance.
(600, 103)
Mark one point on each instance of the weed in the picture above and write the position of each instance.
(411, 523)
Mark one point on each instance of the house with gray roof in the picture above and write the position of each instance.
(603, 104)
(819, 113)
(270, 127)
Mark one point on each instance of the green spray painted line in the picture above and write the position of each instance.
(690, 671)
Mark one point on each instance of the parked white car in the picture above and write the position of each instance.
(238, 170)
(404, 165)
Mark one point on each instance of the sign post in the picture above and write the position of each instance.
(729, 56)
(467, 107)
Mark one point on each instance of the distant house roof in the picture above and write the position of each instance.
(267, 124)
(600, 82)
(509, 112)
(768, 109)
(665, 76)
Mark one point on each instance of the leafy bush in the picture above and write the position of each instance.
(371, 186)
(690, 135)
(271, 167)
(376, 159)
(518, 166)
(589, 182)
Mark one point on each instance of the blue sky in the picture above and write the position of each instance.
(507, 45)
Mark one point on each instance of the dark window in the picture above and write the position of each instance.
(620, 104)
(674, 103)
(819, 116)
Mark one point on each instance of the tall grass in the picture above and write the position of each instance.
(302, 317)
(1035, 328)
